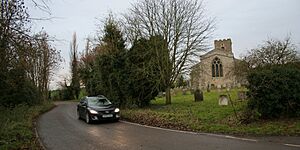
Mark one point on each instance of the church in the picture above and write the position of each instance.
(216, 68)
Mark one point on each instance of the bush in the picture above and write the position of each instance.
(18, 90)
(274, 91)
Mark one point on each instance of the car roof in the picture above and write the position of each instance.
(99, 96)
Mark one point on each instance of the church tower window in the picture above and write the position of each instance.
(217, 68)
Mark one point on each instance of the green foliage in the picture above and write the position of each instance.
(275, 91)
(127, 77)
(67, 93)
(105, 75)
(19, 90)
(144, 82)
(16, 123)
(109, 77)
(113, 37)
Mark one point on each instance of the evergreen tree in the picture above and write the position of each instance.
(110, 63)
(144, 80)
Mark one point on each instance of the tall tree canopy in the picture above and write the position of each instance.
(182, 24)
(143, 68)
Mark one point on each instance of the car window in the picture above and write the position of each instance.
(98, 101)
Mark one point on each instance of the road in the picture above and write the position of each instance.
(59, 129)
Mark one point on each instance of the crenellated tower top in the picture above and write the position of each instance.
(224, 44)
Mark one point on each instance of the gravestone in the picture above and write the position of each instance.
(223, 100)
(184, 91)
(208, 88)
(198, 95)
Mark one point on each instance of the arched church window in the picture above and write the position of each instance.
(217, 68)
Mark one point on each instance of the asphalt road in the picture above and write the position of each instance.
(59, 129)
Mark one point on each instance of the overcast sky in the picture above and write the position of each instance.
(247, 22)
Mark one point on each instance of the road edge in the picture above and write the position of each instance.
(190, 132)
(34, 122)
(208, 134)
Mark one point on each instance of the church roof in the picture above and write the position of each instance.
(216, 52)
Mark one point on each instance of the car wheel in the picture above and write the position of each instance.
(87, 118)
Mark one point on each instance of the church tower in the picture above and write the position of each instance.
(216, 67)
(224, 44)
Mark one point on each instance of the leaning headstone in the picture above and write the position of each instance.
(198, 95)
(223, 100)
(208, 88)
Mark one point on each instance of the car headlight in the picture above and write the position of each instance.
(93, 111)
(117, 110)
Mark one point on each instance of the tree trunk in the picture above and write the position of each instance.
(168, 96)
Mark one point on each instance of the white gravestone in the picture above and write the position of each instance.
(223, 100)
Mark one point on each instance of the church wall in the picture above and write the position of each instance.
(203, 79)
(218, 82)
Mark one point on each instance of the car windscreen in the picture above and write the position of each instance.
(96, 101)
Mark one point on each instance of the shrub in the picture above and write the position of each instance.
(18, 90)
(274, 91)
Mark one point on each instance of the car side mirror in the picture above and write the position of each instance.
(83, 104)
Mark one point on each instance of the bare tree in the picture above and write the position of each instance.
(182, 23)
(13, 31)
(272, 52)
(32, 56)
(43, 60)
(42, 5)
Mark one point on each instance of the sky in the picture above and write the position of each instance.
(247, 22)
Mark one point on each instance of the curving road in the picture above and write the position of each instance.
(59, 129)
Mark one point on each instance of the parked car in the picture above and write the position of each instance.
(97, 108)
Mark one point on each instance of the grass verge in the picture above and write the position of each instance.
(208, 116)
(17, 126)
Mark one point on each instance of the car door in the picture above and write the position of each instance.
(82, 107)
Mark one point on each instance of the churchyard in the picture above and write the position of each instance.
(208, 116)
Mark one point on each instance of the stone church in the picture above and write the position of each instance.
(216, 68)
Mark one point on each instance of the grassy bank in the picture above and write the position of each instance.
(208, 116)
(17, 128)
